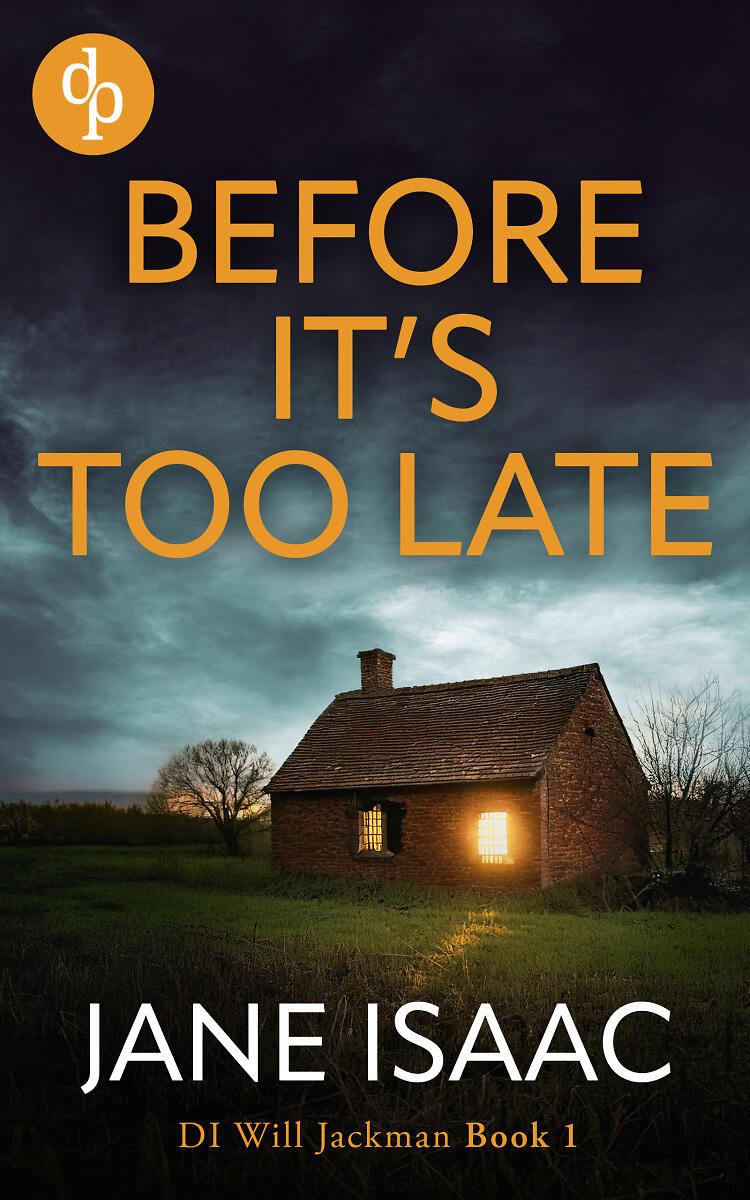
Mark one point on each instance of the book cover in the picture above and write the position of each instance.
(374, 809)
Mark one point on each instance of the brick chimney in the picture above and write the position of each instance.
(377, 670)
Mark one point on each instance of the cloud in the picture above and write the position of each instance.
(639, 634)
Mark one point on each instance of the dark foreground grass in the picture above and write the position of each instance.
(180, 926)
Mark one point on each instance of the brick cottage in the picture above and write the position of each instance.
(515, 781)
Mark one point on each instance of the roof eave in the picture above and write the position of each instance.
(529, 776)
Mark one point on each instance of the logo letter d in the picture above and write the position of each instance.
(90, 73)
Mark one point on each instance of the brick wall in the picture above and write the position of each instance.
(593, 797)
(315, 833)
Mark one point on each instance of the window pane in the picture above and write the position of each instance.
(371, 829)
(493, 837)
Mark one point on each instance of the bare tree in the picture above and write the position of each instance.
(694, 748)
(222, 779)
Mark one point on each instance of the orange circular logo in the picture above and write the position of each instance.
(93, 94)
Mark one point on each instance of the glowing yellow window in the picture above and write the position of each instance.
(371, 829)
(493, 837)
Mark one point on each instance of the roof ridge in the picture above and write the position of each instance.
(467, 683)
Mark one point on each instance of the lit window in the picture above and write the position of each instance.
(371, 830)
(493, 837)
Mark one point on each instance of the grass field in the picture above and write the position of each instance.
(182, 924)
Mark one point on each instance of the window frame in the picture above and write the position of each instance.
(498, 859)
(368, 852)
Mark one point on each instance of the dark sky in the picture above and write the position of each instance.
(112, 661)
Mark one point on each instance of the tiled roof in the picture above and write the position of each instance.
(502, 728)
